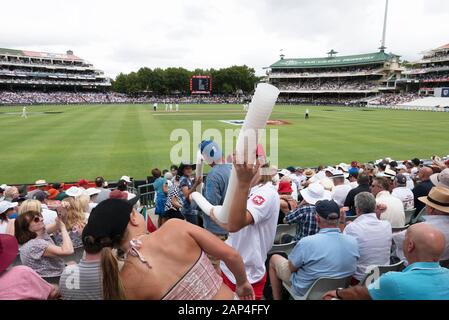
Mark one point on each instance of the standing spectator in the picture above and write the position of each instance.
(423, 188)
(38, 250)
(20, 282)
(304, 215)
(363, 181)
(215, 189)
(188, 186)
(104, 192)
(327, 254)
(394, 212)
(252, 224)
(403, 193)
(374, 236)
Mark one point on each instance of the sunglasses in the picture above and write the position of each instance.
(37, 219)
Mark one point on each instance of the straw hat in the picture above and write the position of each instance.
(438, 198)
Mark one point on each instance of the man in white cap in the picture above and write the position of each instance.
(304, 215)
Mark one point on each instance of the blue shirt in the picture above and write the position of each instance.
(159, 184)
(304, 216)
(327, 254)
(419, 281)
(215, 191)
(187, 207)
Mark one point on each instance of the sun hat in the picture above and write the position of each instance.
(74, 192)
(285, 187)
(6, 205)
(309, 173)
(184, 165)
(441, 179)
(9, 249)
(388, 173)
(284, 172)
(126, 178)
(40, 183)
(438, 198)
(92, 191)
(314, 193)
(337, 174)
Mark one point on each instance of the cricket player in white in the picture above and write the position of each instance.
(166, 107)
(24, 112)
(177, 107)
(155, 106)
(171, 107)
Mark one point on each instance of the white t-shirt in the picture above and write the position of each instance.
(340, 193)
(406, 196)
(395, 209)
(254, 241)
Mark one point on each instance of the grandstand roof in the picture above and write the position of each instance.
(327, 62)
(34, 54)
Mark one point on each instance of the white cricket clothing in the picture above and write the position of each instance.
(254, 241)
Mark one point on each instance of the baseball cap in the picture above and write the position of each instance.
(327, 209)
(291, 169)
(285, 187)
(83, 182)
(401, 179)
(40, 195)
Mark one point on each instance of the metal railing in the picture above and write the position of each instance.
(147, 195)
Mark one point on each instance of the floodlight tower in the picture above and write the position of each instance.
(384, 34)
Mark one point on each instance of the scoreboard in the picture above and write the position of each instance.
(200, 85)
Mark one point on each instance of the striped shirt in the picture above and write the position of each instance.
(82, 281)
(173, 192)
(304, 216)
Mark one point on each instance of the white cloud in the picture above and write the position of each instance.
(122, 36)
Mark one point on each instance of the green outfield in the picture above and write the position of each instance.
(66, 143)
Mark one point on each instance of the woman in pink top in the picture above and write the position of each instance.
(20, 283)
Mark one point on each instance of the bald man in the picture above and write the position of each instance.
(423, 279)
(423, 188)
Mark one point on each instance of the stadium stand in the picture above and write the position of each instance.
(21, 69)
(349, 79)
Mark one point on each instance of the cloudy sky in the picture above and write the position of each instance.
(122, 36)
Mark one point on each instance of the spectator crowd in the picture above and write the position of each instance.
(87, 241)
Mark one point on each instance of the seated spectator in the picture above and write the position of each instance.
(437, 208)
(49, 215)
(38, 250)
(441, 179)
(327, 254)
(8, 213)
(62, 193)
(373, 236)
(363, 181)
(20, 282)
(288, 203)
(341, 189)
(2, 196)
(35, 205)
(174, 203)
(83, 184)
(104, 192)
(92, 194)
(422, 188)
(423, 279)
(40, 185)
(304, 215)
(168, 264)
(394, 212)
(74, 218)
(11, 193)
(88, 275)
(403, 193)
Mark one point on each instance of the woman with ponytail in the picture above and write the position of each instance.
(169, 264)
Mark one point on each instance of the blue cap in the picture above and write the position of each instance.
(353, 171)
(327, 209)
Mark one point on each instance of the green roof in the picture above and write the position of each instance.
(328, 62)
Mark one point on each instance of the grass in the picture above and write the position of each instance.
(114, 140)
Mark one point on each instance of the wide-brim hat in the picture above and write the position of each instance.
(438, 198)
(314, 193)
(309, 173)
(40, 183)
(9, 249)
(182, 166)
(440, 179)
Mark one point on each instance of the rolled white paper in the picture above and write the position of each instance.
(199, 170)
(259, 112)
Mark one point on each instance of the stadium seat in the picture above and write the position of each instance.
(409, 216)
(284, 229)
(351, 218)
(370, 275)
(284, 249)
(319, 288)
(444, 264)
(418, 217)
